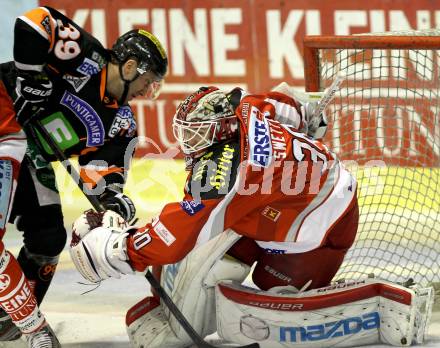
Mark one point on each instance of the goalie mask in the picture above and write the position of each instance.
(204, 118)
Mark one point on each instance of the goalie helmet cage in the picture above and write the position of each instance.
(384, 125)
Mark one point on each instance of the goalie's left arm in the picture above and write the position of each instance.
(110, 247)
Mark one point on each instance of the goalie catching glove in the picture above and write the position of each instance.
(98, 247)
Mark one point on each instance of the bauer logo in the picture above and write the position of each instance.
(191, 207)
(327, 331)
(88, 116)
(341, 286)
(259, 139)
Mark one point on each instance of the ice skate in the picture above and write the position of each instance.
(43, 338)
(8, 330)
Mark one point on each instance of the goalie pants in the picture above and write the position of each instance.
(318, 265)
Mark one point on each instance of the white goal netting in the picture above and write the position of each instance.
(385, 126)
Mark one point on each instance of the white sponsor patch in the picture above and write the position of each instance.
(164, 234)
(77, 82)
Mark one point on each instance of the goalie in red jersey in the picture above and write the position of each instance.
(262, 192)
(285, 193)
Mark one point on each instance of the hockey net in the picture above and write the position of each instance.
(384, 125)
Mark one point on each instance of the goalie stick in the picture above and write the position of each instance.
(329, 94)
(61, 157)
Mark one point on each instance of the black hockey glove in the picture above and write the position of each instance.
(31, 94)
(113, 199)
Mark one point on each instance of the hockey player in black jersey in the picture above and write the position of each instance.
(79, 91)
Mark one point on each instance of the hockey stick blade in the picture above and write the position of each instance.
(61, 157)
(195, 337)
(329, 94)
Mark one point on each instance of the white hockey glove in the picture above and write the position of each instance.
(99, 246)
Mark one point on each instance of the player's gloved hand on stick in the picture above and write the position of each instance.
(30, 96)
(113, 199)
(99, 245)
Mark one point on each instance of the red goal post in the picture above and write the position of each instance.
(385, 125)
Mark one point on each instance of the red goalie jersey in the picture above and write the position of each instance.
(272, 184)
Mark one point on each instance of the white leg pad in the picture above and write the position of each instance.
(152, 330)
(191, 285)
(347, 314)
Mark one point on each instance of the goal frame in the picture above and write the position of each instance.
(314, 49)
(312, 44)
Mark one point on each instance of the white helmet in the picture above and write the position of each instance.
(202, 119)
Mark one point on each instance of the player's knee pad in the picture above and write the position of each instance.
(191, 283)
(39, 271)
(346, 314)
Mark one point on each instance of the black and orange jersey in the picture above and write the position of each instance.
(44, 37)
(82, 117)
(272, 184)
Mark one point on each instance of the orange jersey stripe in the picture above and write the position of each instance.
(88, 149)
(91, 176)
(38, 16)
(103, 81)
